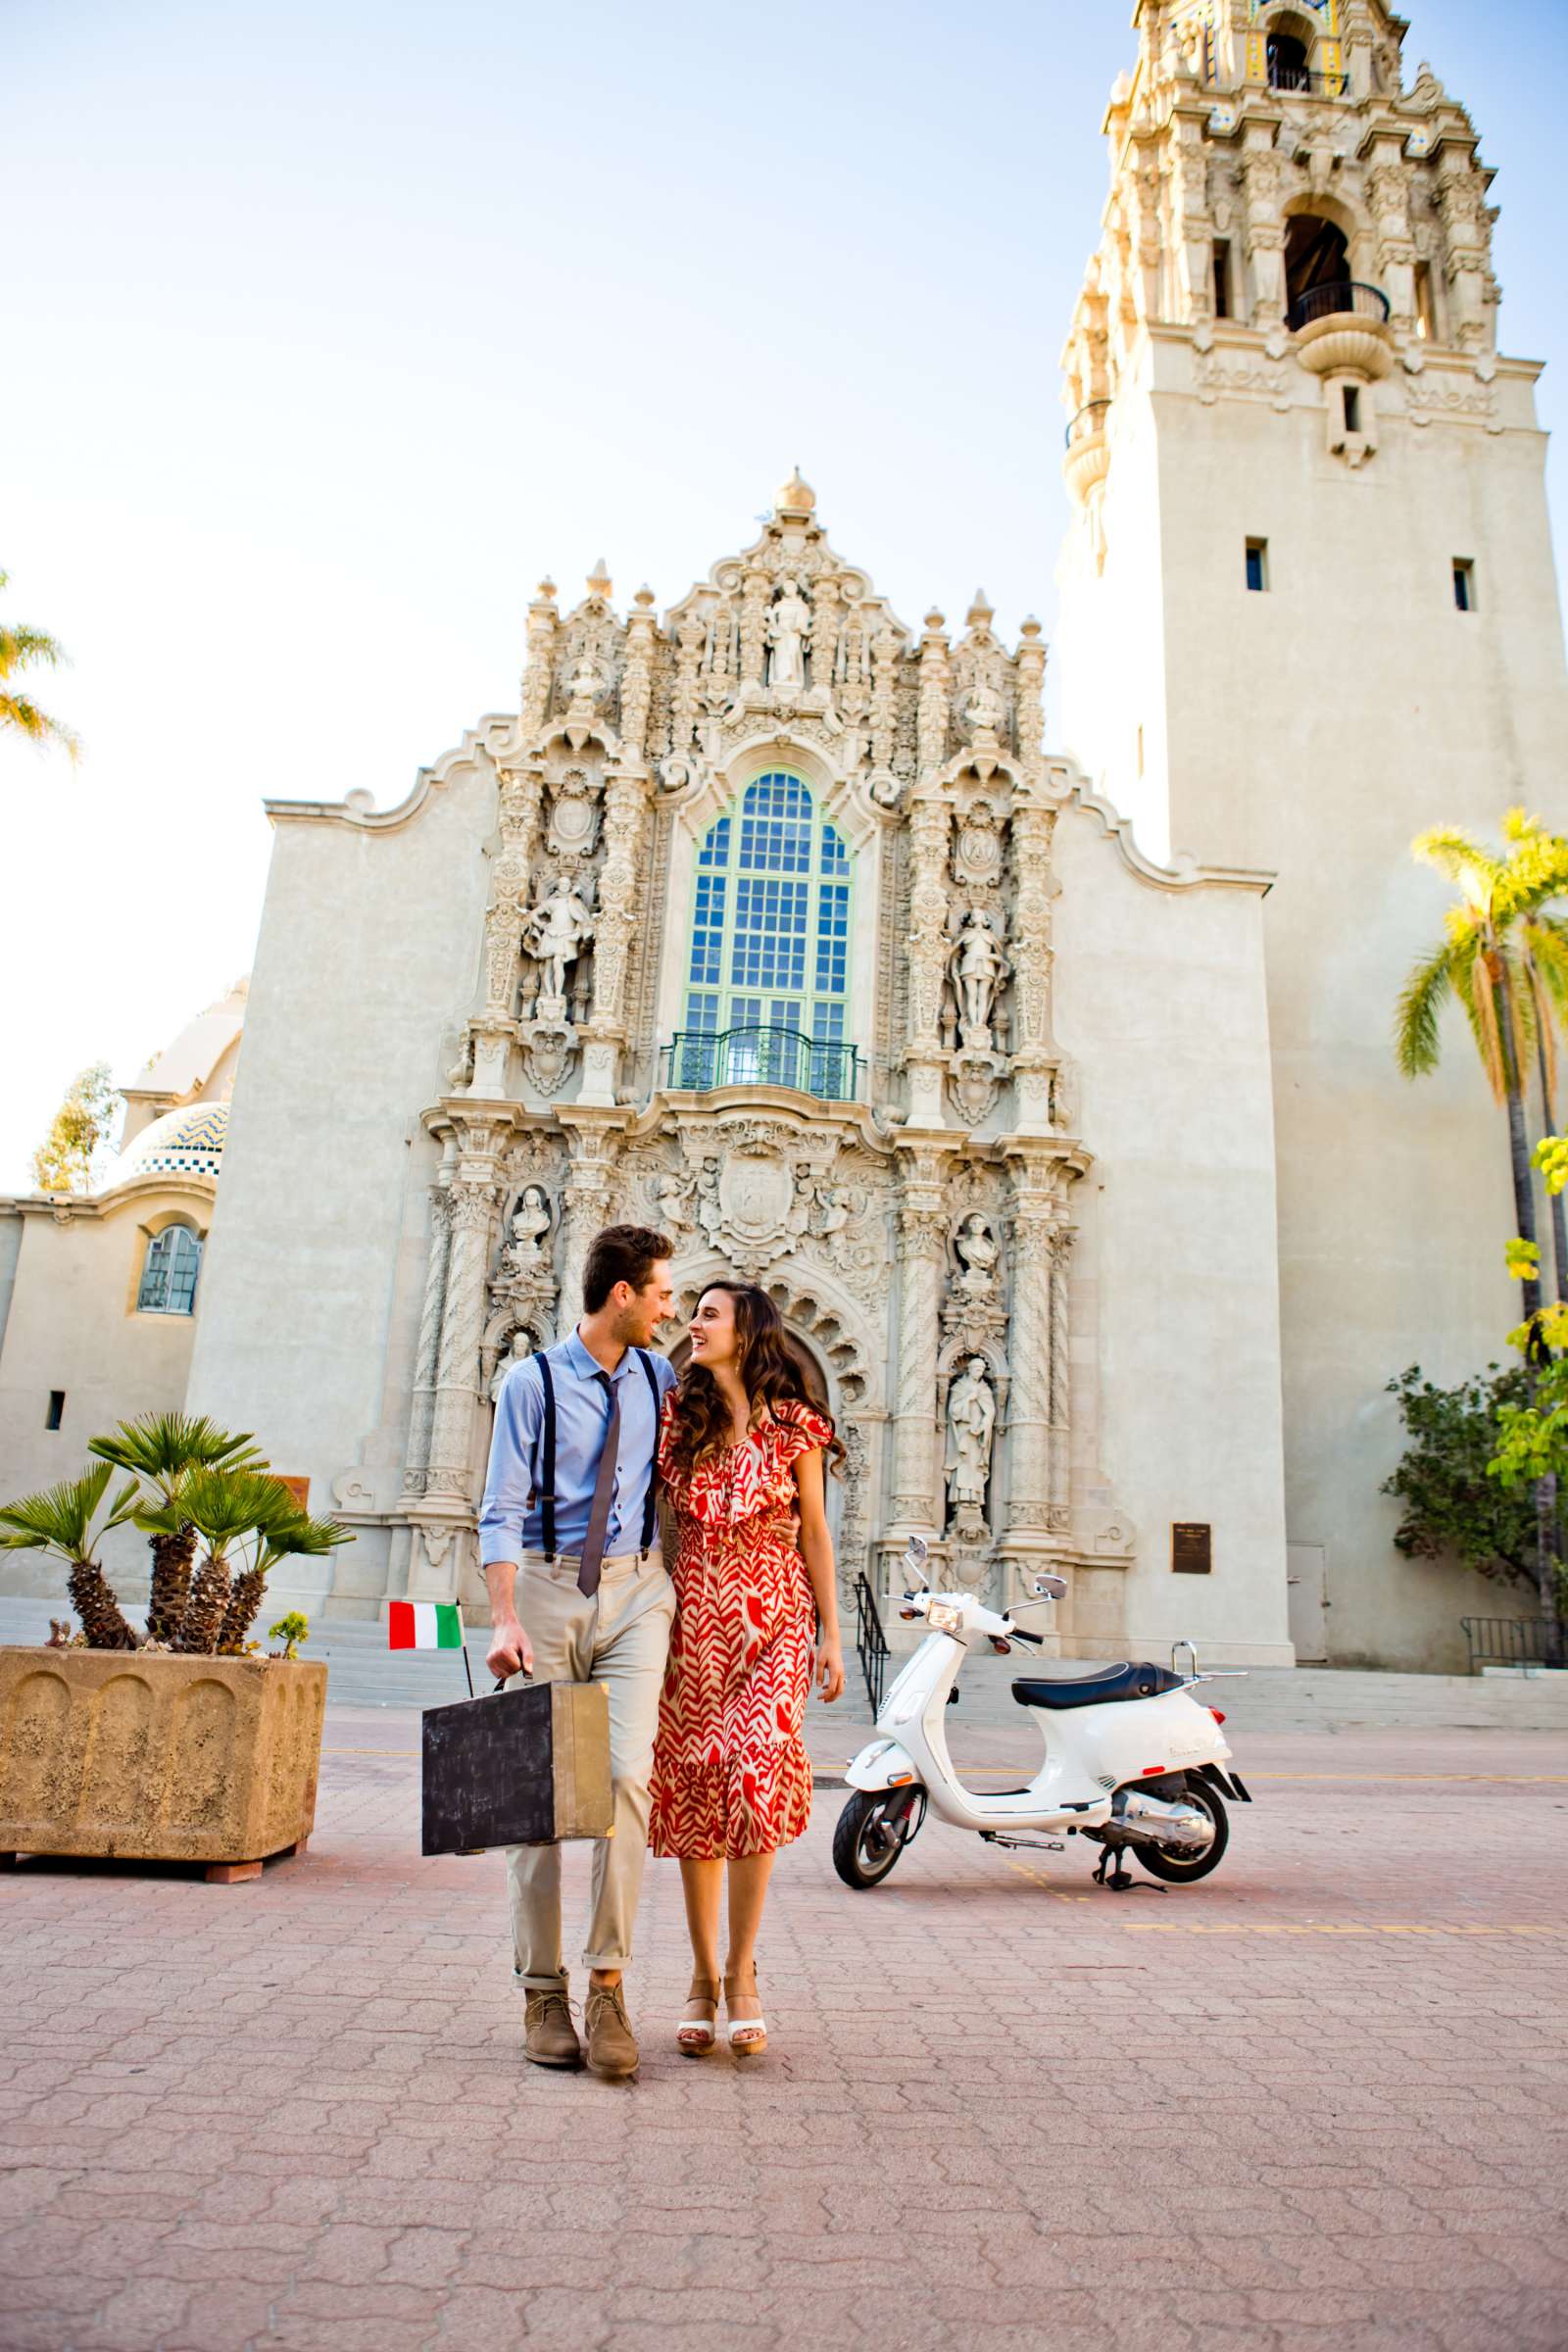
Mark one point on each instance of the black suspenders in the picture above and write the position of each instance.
(546, 1467)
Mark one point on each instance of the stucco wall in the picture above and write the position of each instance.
(364, 970)
(1314, 730)
(74, 1325)
(1158, 993)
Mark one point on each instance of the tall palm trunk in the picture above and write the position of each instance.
(1559, 1216)
(171, 1585)
(97, 1607)
(204, 1611)
(1524, 1198)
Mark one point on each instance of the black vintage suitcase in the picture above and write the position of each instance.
(523, 1767)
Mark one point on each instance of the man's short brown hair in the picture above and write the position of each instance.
(621, 1253)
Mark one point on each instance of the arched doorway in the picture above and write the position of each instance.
(1316, 255)
(1286, 63)
(845, 1502)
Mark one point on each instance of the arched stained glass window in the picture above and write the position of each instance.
(168, 1273)
(767, 981)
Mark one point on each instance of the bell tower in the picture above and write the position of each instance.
(1309, 609)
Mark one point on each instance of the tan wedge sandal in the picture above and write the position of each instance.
(747, 2036)
(694, 2037)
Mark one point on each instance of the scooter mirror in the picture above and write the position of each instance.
(1049, 1587)
(920, 1552)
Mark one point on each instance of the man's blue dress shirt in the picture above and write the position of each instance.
(510, 1518)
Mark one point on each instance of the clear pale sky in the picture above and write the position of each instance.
(329, 329)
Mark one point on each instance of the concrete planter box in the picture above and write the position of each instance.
(160, 1758)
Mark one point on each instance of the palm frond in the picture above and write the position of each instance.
(58, 1520)
(1415, 1022)
(300, 1537)
(19, 645)
(223, 1504)
(1461, 859)
(161, 1448)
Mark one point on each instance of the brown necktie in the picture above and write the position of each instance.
(592, 1543)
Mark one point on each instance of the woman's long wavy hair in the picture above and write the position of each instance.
(772, 1373)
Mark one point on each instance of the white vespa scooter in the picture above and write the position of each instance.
(1132, 1761)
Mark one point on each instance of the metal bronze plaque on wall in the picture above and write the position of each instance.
(1192, 1547)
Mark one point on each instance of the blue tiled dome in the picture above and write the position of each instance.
(182, 1142)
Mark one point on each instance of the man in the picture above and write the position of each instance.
(593, 1604)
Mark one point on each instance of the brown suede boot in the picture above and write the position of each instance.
(612, 2043)
(551, 2036)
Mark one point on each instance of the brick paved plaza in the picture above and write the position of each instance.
(1316, 2101)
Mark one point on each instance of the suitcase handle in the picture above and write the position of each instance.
(501, 1681)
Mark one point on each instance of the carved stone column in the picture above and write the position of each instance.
(922, 1233)
(451, 1470)
(1029, 1357)
(1060, 1515)
(427, 1352)
(587, 1207)
(754, 626)
(1033, 1052)
(625, 828)
(930, 830)
(1266, 227)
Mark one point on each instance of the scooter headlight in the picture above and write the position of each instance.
(945, 1616)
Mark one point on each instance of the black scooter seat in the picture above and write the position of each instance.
(1097, 1690)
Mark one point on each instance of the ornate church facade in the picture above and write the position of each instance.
(747, 925)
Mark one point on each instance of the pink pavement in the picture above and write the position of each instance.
(1318, 2101)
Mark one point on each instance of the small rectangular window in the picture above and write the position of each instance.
(1464, 583)
(57, 1409)
(1222, 277)
(1257, 564)
(1140, 750)
(1424, 324)
(1352, 407)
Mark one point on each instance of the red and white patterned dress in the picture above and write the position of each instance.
(731, 1776)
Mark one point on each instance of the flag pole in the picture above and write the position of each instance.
(462, 1643)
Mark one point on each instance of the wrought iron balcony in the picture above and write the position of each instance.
(1296, 79)
(697, 1060)
(1341, 299)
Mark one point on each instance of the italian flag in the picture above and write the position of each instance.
(424, 1624)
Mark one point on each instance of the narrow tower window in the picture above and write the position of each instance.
(1222, 277)
(1257, 564)
(1464, 583)
(1425, 323)
(1352, 407)
(57, 1409)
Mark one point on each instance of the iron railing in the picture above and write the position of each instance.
(1089, 420)
(1343, 298)
(871, 1643)
(1282, 76)
(696, 1059)
(1515, 1642)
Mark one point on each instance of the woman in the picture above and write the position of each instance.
(741, 1458)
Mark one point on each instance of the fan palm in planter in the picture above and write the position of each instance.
(161, 1449)
(61, 1521)
(278, 1535)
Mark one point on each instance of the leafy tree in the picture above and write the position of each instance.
(23, 648)
(161, 1449)
(61, 1521)
(1532, 1449)
(1495, 936)
(69, 1157)
(1453, 1507)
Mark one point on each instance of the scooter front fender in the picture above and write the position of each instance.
(881, 1764)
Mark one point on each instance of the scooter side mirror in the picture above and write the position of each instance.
(915, 1557)
(1048, 1588)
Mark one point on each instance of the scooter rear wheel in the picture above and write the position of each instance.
(1170, 1862)
(872, 1832)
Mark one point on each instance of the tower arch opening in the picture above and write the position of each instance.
(1317, 254)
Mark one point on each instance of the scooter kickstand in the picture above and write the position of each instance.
(1119, 1880)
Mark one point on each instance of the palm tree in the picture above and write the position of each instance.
(61, 1521)
(161, 1449)
(1482, 960)
(19, 648)
(223, 1506)
(288, 1532)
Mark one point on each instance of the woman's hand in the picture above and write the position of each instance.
(829, 1670)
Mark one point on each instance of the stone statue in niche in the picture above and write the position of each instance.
(979, 968)
(971, 1426)
(978, 1258)
(673, 1205)
(788, 627)
(522, 1256)
(520, 1348)
(556, 934)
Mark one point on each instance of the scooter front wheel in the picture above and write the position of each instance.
(872, 1832)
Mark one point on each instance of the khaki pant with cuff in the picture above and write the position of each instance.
(618, 1636)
